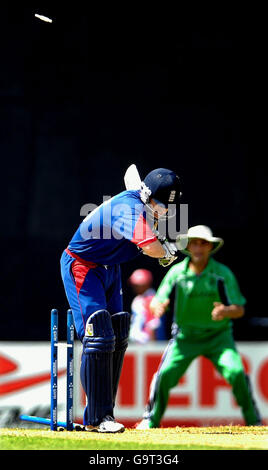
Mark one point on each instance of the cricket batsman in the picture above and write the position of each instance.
(115, 232)
(207, 298)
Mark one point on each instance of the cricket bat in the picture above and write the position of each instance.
(132, 178)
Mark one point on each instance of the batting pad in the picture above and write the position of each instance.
(121, 324)
(96, 370)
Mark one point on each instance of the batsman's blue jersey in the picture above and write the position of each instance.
(90, 266)
(112, 232)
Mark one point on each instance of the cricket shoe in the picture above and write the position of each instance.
(107, 425)
(143, 424)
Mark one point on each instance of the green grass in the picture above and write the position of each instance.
(207, 438)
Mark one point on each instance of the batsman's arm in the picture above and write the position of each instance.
(162, 251)
(147, 239)
(154, 249)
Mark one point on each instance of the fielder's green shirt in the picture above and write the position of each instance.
(195, 294)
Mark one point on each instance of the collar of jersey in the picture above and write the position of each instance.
(191, 273)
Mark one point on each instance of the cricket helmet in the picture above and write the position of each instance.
(164, 187)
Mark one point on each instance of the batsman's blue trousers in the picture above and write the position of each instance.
(90, 287)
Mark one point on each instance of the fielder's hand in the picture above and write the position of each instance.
(218, 313)
(158, 308)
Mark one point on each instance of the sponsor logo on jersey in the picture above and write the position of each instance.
(89, 330)
(172, 196)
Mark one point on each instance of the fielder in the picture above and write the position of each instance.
(115, 232)
(207, 298)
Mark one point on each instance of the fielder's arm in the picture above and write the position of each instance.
(221, 311)
(158, 308)
(231, 304)
(160, 301)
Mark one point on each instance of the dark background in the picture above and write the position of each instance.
(83, 98)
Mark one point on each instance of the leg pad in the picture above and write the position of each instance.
(121, 324)
(97, 367)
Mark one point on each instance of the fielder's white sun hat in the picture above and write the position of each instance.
(203, 232)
